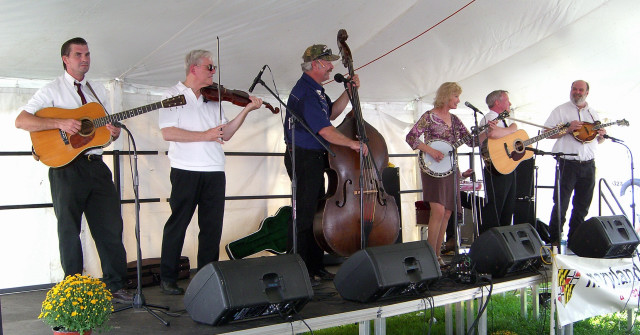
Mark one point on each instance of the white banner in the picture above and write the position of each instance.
(593, 286)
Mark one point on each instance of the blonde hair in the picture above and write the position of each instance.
(445, 92)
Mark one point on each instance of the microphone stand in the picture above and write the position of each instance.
(294, 179)
(556, 156)
(474, 195)
(633, 201)
(138, 299)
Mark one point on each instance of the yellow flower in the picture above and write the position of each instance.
(74, 313)
(74, 303)
(93, 301)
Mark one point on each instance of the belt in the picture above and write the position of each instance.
(576, 161)
(92, 158)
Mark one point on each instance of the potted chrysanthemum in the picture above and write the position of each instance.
(77, 304)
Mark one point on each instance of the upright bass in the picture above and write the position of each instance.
(357, 212)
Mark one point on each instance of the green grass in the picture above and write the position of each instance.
(503, 318)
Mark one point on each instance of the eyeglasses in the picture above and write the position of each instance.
(325, 53)
(209, 67)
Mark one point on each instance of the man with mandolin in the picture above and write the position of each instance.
(85, 184)
(311, 104)
(195, 134)
(500, 188)
(577, 172)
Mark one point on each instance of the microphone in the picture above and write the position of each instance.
(339, 78)
(257, 79)
(466, 103)
(612, 138)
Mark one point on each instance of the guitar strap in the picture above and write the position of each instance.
(96, 96)
(111, 139)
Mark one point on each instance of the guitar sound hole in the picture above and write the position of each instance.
(86, 128)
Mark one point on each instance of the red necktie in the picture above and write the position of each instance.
(79, 87)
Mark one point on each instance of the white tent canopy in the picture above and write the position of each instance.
(532, 48)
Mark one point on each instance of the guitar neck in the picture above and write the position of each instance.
(467, 137)
(546, 134)
(602, 125)
(99, 122)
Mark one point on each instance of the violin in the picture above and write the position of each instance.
(236, 97)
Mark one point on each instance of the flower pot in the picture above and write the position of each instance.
(64, 332)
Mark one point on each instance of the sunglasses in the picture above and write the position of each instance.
(325, 53)
(209, 67)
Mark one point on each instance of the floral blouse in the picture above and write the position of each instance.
(433, 127)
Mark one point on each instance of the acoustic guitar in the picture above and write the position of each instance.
(589, 131)
(271, 237)
(506, 153)
(55, 148)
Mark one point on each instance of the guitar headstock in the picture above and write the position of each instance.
(503, 115)
(174, 101)
(623, 122)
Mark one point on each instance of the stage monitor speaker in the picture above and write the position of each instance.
(387, 271)
(508, 249)
(249, 288)
(604, 237)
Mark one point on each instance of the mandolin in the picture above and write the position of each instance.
(589, 131)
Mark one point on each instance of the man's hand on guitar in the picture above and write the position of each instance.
(70, 126)
(115, 131)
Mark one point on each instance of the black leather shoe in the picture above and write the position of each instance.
(170, 288)
(323, 274)
(121, 296)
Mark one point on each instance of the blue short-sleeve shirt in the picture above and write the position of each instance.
(309, 102)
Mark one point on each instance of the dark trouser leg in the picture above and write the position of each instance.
(500, 193)
(210, 217)
(585, 183)
(567, 182)
(183, 201)
(104, 219)
(310, 188)
(68, 192)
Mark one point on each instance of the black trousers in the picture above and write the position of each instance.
(87, 187)
(578, 178)
(189, 189)
(310, 166)
(501, 199)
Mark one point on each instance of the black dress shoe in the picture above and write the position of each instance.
(121, 296)
(323, 274)
(170, 288)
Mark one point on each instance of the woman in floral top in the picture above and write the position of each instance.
(439, 123)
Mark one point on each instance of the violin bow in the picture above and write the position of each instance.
(219, 83)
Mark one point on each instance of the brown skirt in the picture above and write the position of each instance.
(440, 190)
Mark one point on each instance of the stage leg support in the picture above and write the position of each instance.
(448, 320)
(523, 302)
(380, 326)
(470, 313)
(364, 327)
(535, 299)
(460, 329)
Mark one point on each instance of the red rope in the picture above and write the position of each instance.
(411, 40)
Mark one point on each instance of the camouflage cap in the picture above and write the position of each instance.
(319, 51)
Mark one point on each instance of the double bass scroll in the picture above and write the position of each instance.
(357, 209)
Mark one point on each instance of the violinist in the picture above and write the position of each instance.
(440, 193)
(195, 134)
(311, 104)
